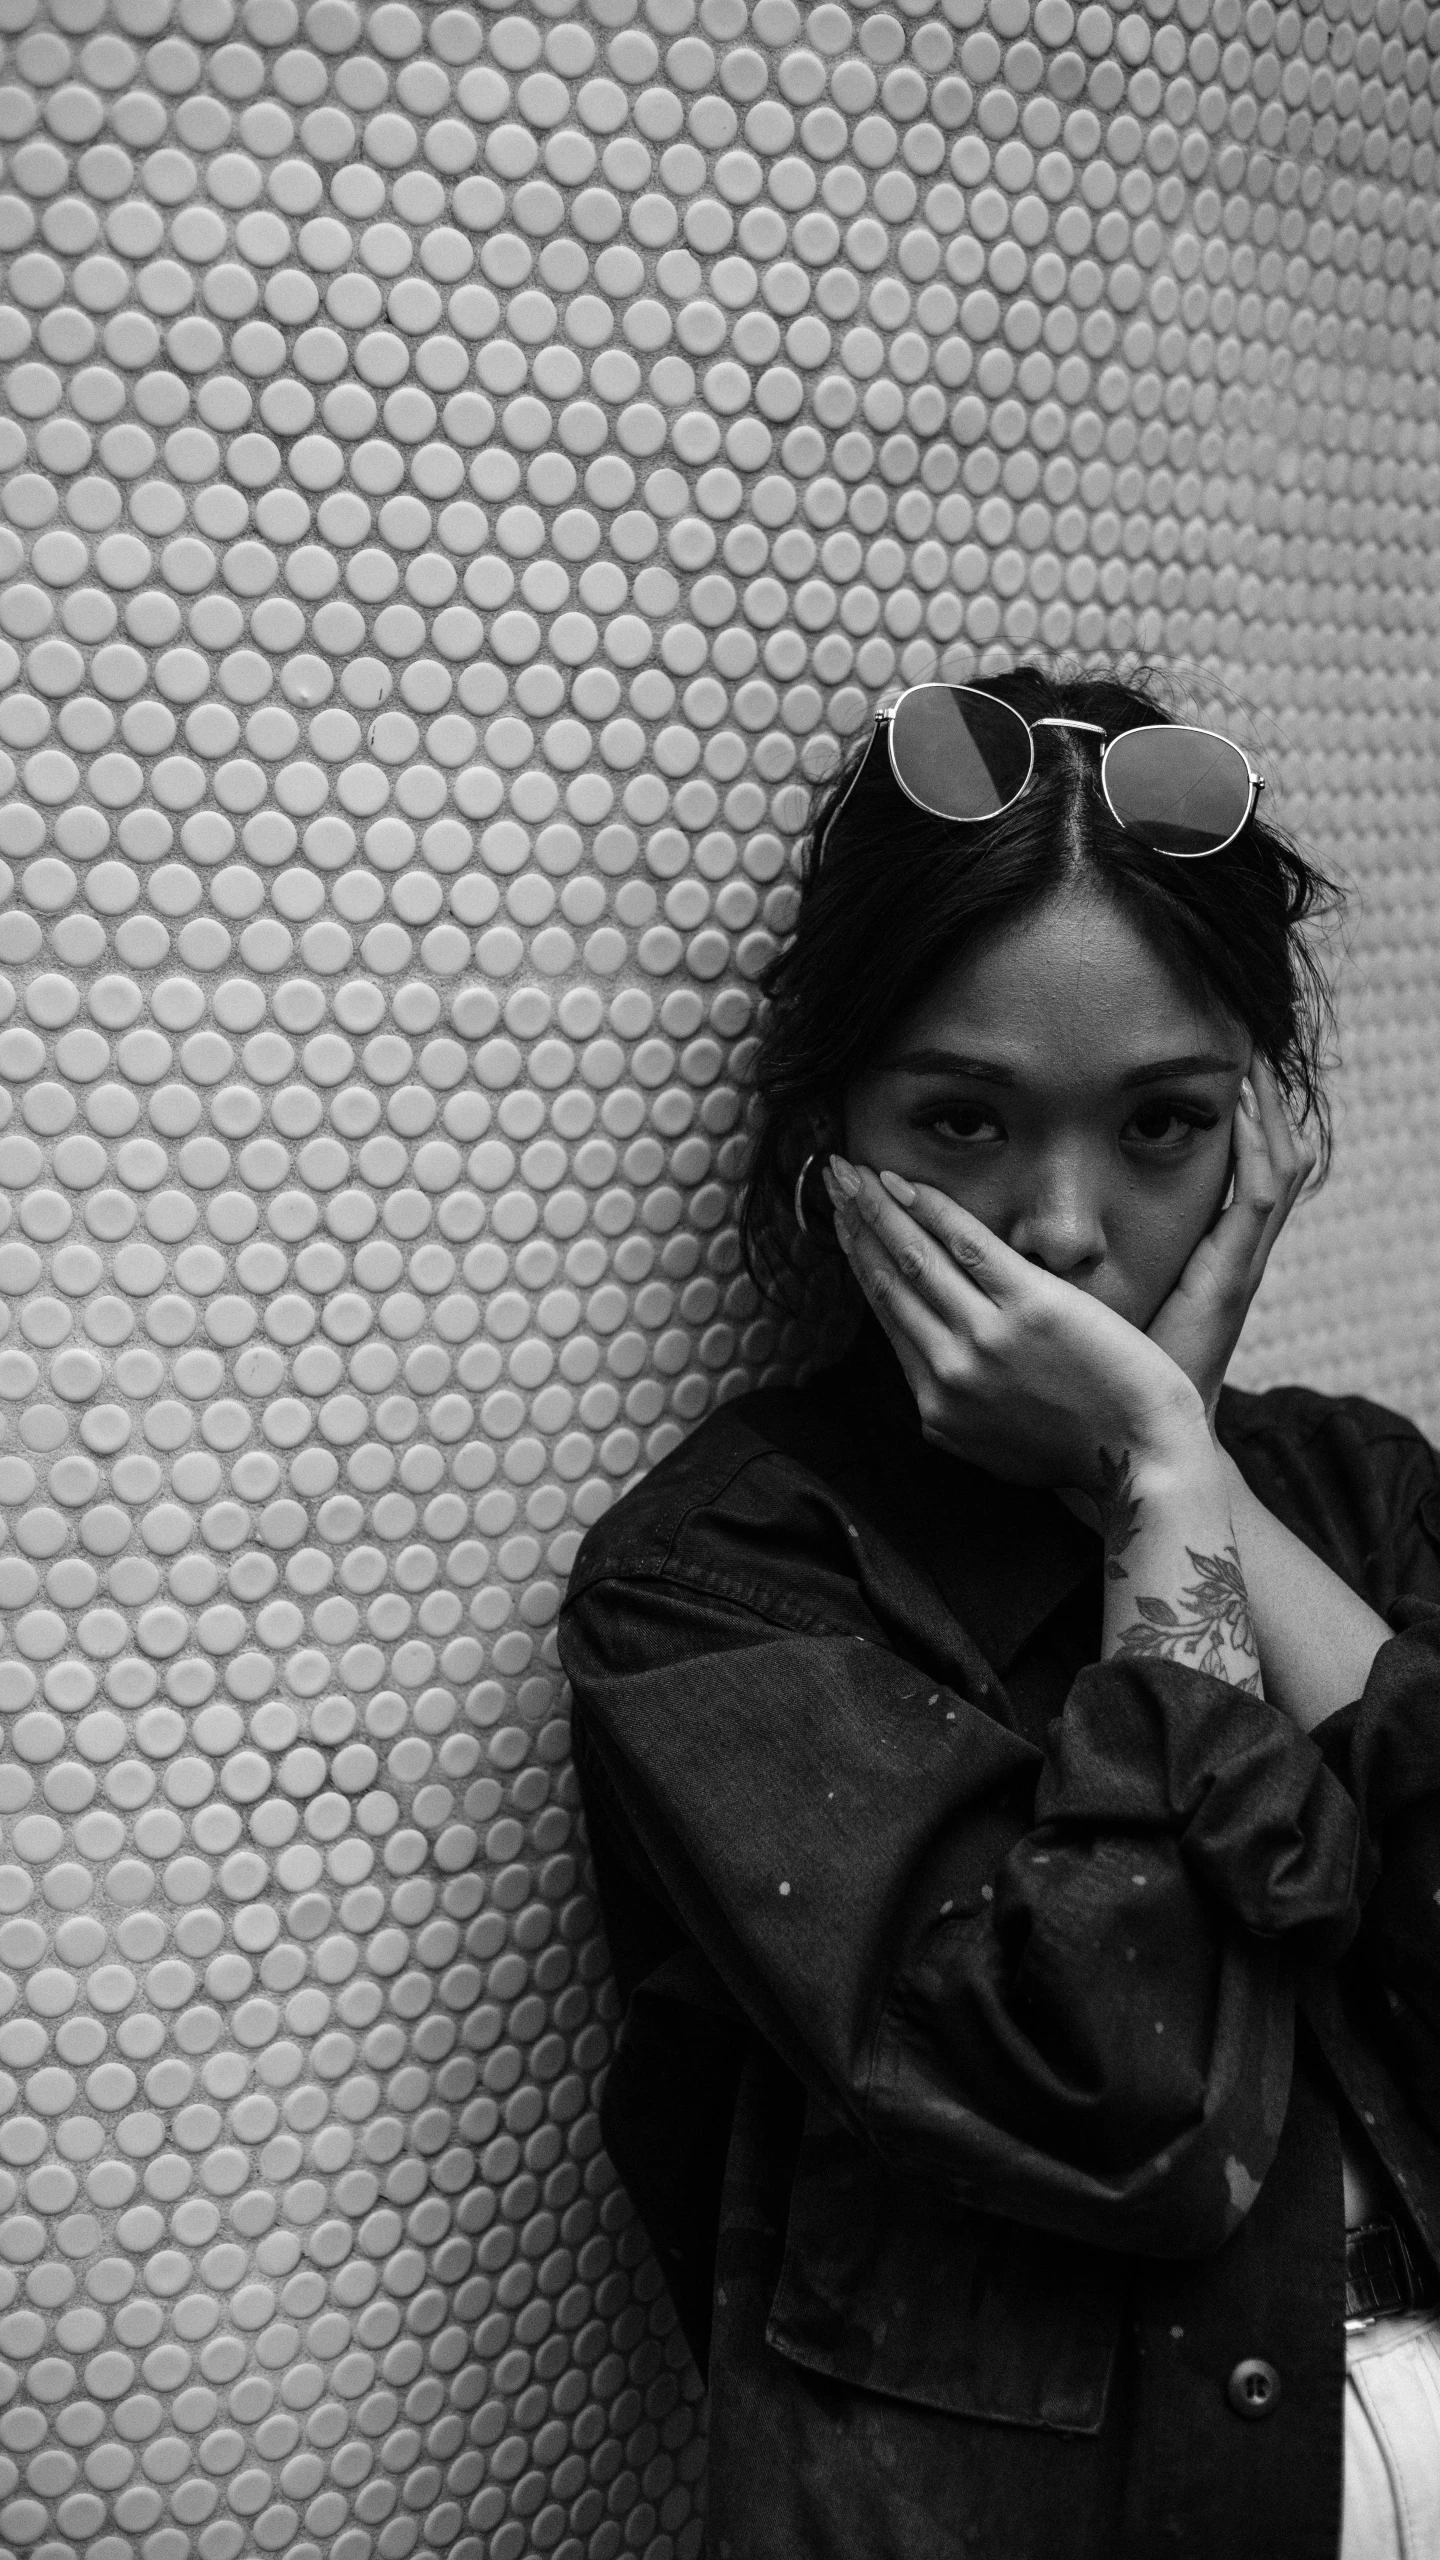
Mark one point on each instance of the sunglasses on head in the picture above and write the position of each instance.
(964, 755)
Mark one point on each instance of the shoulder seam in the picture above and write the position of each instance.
(758, 1600)
(652, 1550)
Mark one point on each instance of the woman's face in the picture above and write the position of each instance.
(1061, 1086)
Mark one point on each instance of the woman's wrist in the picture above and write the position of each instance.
(1181, 1482)
(1184, 1452)
(1157, 1470)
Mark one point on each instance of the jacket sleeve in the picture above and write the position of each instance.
(1385, 1749)
(1056, 1983)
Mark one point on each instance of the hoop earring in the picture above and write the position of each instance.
(800, 1189)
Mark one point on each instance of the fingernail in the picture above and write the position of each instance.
(898, 1188)
(847, 1177)
(1248, 1103)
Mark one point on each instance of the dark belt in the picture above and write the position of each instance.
(1384, 2273)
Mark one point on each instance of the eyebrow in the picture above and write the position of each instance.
(936, 1062)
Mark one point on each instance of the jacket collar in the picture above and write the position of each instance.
(1004, 1556)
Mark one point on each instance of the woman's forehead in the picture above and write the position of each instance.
(1072, 988)
(1077, 955)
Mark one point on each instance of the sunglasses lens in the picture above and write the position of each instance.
(1180, 790)
(959, 753)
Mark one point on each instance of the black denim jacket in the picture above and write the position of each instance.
(991, 2011)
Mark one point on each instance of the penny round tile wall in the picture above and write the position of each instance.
(462, 473)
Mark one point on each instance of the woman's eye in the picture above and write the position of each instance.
(1172, 1124)
(1162, 1127)
(963, 1120)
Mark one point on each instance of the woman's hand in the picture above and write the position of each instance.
(1201, 1320)
(1012, 1369)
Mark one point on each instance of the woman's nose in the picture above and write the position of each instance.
(1059, 1225)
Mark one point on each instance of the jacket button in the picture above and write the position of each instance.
(1253, 2388)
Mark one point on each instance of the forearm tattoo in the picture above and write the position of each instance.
(1119, 1509)
(1218, 1612)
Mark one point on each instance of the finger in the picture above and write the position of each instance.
(994, 1268)
(918, 1259)
(861, 1254)
(912, 1219)
(1230, 1257)
(1257, 1207)
(1271, 1165)
(1257, 1187)
(919, 1333)
(1293, 1156)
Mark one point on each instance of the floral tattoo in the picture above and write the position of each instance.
(1219, 1611)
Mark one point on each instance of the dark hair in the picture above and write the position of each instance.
(889, 895)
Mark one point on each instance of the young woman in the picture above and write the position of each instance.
(1012, 1758)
